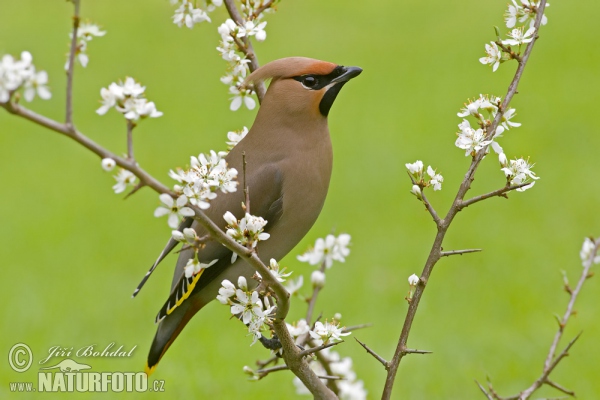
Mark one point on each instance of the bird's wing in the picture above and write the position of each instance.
(266, 200)
(171, 244)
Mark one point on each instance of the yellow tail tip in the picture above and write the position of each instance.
(149, 370)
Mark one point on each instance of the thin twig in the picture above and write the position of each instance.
(559, 387)
(353, 328)
(458, 252)
(552, 360)
(263, 364)
(444, 224)
(71, 67)
(417, 351)
(428, 205)
(313, 350)
(331, 377)
(500, 192)
(262, 8)
(382, 360)
(247, 49)
(130, 126)
(489, 396)
(264, 372)
(313, 298)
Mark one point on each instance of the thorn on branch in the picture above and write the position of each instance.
(356, 327)
(416, 351)
(318, 348)
(459, 252)
(375, 355)
(135, 189)
(559, 387)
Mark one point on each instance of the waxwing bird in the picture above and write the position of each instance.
(288, 166)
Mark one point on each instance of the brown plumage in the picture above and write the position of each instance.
(288, 167)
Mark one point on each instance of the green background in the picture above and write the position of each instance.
(73, 251)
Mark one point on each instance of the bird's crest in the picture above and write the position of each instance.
(290, 67)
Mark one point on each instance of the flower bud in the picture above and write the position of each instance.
(503, 160)
(242, 284)
(176, 235)
(413, 280)
(108, 164)
(189, 234)
(416, 190)
(317, 279)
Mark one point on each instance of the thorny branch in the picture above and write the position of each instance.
(552, 359)
(442, 225)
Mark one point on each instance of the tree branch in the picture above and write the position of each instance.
(443, 225)
(291, 353)
(313, 298)
(500, 192)
(313, 350)
(71, 67)
(130, 126)
(247, 49)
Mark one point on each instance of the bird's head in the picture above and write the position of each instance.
(303, 85)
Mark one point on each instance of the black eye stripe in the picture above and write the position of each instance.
(317, 82)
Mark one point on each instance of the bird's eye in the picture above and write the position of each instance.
(309, 81)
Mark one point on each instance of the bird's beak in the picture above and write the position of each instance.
(349, 73)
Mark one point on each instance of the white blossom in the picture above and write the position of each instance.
(413, 280)
(415, 169)
(246, 305)
(127, 98)
(235, 137)
(208, 173)
(85, 33)
(293, 286)
(416, 190)
(469, 139)
(506, 119)
(519, 37)
(502, 159)
(251, 29)
(278, 273)
(327, 250)
(37, 84)
(194, 266)
(175, 209)
(247, 231)
(15, 74)
(587, 252)
(249, 306)
(300, 328)
(241, 95)
(317, 278)
(226, 291)
(523, 12)
(327, 332)
(188, 15)
(108, 164)
(518, 172)
(124, 178)
(436, 179)
(494, 56)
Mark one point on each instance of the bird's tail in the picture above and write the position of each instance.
(168, 330)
